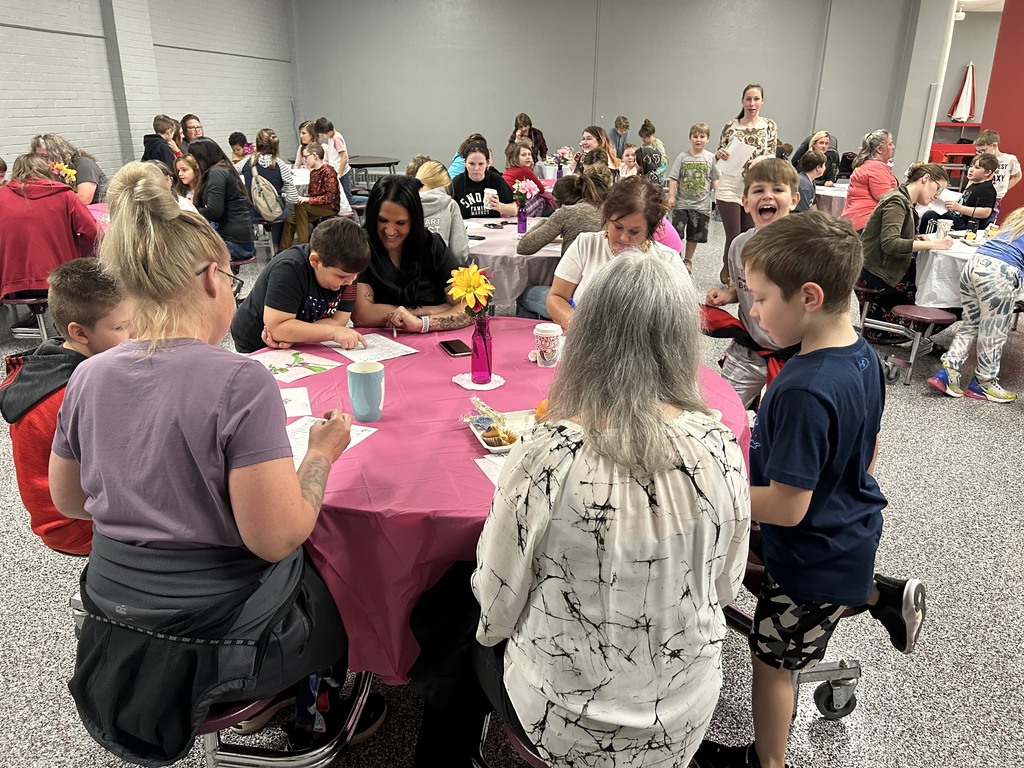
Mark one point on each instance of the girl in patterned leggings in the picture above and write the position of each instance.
(989, 286)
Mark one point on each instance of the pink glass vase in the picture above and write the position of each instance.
(521, 219)
(480, 362)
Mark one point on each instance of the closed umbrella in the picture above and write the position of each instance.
(962, 108)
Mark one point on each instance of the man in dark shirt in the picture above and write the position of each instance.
(306, 293)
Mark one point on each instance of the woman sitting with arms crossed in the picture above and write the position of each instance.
(519, 167)
(890, 241)
(199, 516)
(633, 211)
(617, 532)
(440, 213)
(405, 286)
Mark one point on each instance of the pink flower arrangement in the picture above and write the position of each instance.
(562, 157)
(524, 190)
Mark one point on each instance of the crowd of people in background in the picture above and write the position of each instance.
(629, 218)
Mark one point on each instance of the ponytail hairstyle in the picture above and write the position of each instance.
(647, 129)
(591, 186)
(154, 248)
(917, 171)
(869, 145)
(749, 86)
(433, 175)
(267, 143)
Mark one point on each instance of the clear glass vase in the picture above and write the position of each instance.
(480, 362)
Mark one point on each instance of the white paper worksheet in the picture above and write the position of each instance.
(739, 153)
(380, 348)
(298, 437)
(491, 466)
(296, 402)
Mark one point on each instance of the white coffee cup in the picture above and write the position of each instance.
(489, 192)
(548, 338)
(942, 227)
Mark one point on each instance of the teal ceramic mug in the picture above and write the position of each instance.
(366, 390)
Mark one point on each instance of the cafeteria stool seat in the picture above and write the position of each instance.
(865, 297)
(921, 323)
(37, 307)
(524, 751)
(223, 716)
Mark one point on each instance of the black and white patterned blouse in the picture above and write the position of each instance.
(609, 586)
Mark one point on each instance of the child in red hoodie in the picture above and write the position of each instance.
(89, 311)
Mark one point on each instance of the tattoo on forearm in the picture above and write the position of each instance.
(313, 480)
(441, 323)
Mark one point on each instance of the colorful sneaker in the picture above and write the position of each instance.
(947, 381)
(990, 390)
(901, 609)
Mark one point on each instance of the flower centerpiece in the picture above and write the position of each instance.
(471, 284)
(561, 158)
(64, 173)
(523, 190)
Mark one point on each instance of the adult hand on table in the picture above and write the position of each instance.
(406, 321)
(331, 437)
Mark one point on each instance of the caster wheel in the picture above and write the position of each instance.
(892, 372)
(823, 700)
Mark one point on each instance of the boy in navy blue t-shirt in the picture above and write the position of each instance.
(812, 456)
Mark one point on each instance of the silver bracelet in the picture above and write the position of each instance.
(425, 319)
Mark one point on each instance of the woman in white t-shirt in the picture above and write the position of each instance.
(755, 131)
(632, 213)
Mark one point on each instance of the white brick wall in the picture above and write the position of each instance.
(56, 83)
(238, 75)
(55, 75)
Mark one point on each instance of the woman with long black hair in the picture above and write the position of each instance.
(405, 284)
(221, 198)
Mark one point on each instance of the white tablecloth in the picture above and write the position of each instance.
(938, 276)
(509, 272)
(831, 199)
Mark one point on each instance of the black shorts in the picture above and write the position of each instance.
(788, 633)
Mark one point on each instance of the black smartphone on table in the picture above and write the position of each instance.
(455, 348)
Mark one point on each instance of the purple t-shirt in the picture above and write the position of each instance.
(156, 435)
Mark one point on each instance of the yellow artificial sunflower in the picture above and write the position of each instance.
(471, 284)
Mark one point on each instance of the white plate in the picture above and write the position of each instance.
(516, 421)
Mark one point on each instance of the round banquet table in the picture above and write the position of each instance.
(408, 502)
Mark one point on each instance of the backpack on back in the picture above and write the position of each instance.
(265, 197)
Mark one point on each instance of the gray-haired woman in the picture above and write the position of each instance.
(618, 530)
(872, 177)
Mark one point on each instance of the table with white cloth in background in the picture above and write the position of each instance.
(938, 276)
(831, 199)
(509, 272)
(300, 178)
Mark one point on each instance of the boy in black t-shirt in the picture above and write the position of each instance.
(306, 293)
(812, 457)
(978, 199)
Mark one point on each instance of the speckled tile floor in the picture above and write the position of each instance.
(950, 469)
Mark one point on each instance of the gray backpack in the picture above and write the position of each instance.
(265, 197)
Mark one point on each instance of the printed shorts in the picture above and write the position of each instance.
(692, 226)
(788, 633)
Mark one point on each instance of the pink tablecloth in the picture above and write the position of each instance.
(405, 504)
(100, 212)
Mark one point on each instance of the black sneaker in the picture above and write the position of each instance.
(901, 609)
(711, 754)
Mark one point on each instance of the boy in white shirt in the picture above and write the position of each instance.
(1008, 174)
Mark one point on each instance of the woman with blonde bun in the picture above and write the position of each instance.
(176, 449)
